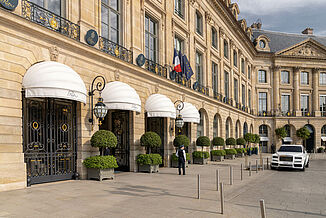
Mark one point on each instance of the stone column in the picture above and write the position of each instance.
(296, 91)
(276, 88)
(315, 92)
(221, 71)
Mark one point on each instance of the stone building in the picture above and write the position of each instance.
(51, 51)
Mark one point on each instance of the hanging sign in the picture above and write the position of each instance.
(9, 4)
(91, 37)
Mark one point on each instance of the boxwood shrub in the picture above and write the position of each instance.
(149, 159)
(241, 141)
(175, 158)
(320, 150)
(218, 153)
(231, 151)
(181, 140)
(150, 140)
(230, 141)
(104, 139)
(200, 154)
(240, 150)
(218, 141)
(100, 162)
(203, 141)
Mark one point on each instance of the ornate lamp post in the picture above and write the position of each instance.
(100, 110)
(179, 120)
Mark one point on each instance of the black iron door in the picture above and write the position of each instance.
(156, 124)
(49, 139)
(120, 128)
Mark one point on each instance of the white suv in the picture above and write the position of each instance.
(290, 156)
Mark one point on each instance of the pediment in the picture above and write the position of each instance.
(307, 49)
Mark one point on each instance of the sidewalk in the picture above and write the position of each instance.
(164, 194)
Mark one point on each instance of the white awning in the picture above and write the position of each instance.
(323, 139)
(158, 105)
(121, 96)
(54, 80)
(287, 139)
(264, 139)
(190, 113)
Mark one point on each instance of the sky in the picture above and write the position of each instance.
(291, 16)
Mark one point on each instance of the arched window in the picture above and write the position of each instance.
(227, 129)
(215, 126)
(323, 131)
(200, 126)
(237, 130)
(245, 128)
(263, 131)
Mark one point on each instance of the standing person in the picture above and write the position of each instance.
(181, 154)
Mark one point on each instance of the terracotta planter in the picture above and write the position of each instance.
(217, 158)
(148, 168)
(100, 174)
(200, 161)
(230, 156)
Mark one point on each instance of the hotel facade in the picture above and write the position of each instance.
(245, 80)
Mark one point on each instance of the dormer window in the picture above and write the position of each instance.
(262, 44)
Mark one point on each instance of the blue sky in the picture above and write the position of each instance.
(291, 16)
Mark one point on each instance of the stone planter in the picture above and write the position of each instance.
(240, 155)
(175, 164)
(217, 158)
(148, 168)
(230, 156)
(100, 174)
(200, 161)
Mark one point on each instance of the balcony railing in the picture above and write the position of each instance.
(46, 18)
(115, 50)
(307, 114)
(323, 113)
(218, 96)
(265, 114)
(228, 101)
(182, 80)
(200, 88)
(288, 114)
(156, 68)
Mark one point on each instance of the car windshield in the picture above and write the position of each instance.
(290, 149)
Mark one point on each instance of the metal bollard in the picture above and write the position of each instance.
(198, 186)
(250, 168)
(262, 166)
(222, 198)
(241, 172)
(217, 179)
(267, 165)
(256, 166)
(231, 175)
(262, 208)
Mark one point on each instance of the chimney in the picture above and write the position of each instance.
(308, 31)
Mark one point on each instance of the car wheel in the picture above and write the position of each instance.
(303, 169)
(273, 168)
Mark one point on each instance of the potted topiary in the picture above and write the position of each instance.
(218, 141)
(230, 153)
(177, 142)
(240, 152)
(200, 157)
(101, 167)
(174, 162)
(218, 155)
(241, 142)
(231, 142)
(149, 162)
(202, 141)
(320, 150)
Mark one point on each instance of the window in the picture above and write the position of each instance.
(226, 84)
(262, 76)
(249, 98)
(215, 77)
(151, 48)
(262, 102)
(237, 126)
(243, 95)
(322, 103)
(236, 91)
(214, 37)
(110, 20)
(226, 49)
(304, 78)
(200, 126)
(245, 129)
(199, 75)
(323, 131)
(57, 7)
(285, 103)
(322, 79)
(285, 77)
(178, 44)
(249, 72)
(243, 66)
(262, 44)
(215, 126)
(179, 8)
(263, 131)
(304, 101)
(235, 58)
(199, 23)
(227, 129)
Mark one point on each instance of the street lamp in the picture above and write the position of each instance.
(179, 120)
(100, 110)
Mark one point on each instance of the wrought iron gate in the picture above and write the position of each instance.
(49, 139)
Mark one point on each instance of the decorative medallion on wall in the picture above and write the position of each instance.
(140, 60)
(9, 4)
(195, 86)
(54, 53)
(91, 37)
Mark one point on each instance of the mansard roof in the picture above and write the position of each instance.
(280, 41)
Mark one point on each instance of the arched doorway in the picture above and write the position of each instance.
(228, 128)
(310, 142)
(323, 135)
(216, 125)
(237, 129)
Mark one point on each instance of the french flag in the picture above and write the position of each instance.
(176, 62)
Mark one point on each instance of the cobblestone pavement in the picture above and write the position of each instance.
(166, 194)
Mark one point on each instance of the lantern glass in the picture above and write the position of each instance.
(179, 122)
(100, 109)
